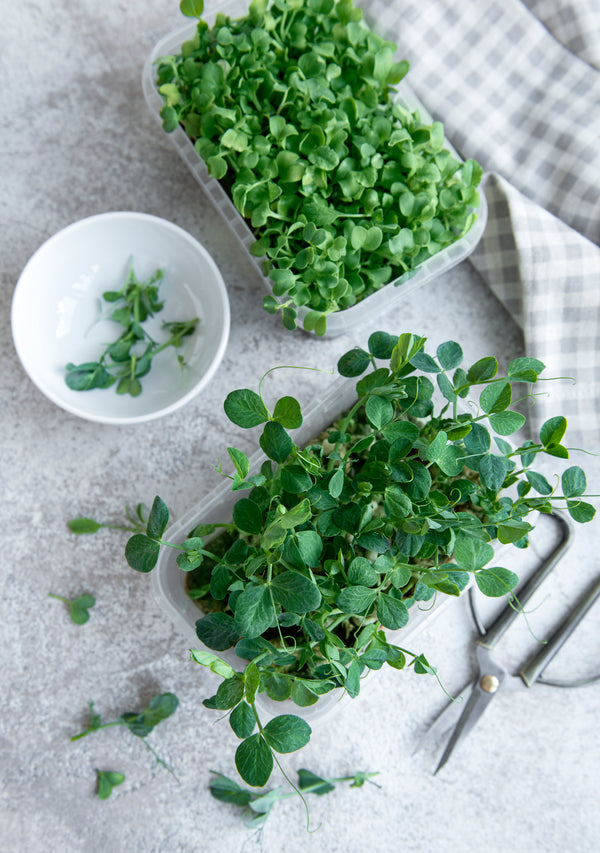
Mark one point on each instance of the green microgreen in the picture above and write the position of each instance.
(139, 723)
(135, 522)
(403, 499)
(256, 807)
(293, 108)
(106, 781)
(78, 607)
(128, 359)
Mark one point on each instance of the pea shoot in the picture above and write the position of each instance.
(139, 723)
(129, 358)
(256, 806)
(135, 522)
(106, 781)
(333, 545)
(78, 607)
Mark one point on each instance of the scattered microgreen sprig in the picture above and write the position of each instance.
(129, 358)
(106, 781)
(402, 499)
(137, 522)
(78, 607)
(139, 723)
(292, 108)
(256, 807)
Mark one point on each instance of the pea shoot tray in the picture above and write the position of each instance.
(169, 582)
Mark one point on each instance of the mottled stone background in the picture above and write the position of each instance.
(77, 139)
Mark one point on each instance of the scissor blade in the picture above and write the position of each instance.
(445, 720)
(478, 702)
(490, 679)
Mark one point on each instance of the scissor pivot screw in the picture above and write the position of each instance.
(489, 683)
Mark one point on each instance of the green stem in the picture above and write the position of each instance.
(288, 367)
(296, 789)
(159, 760)
(60, 598)
(175, 339)
(260, 728)
(310, 789)
(97, 729)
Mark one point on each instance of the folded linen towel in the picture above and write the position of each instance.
(516, 86)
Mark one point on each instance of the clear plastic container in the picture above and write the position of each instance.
(169, 582)
(365, 311)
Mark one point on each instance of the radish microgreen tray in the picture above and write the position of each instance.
(292, 109)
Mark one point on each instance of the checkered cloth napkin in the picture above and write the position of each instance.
(517, 85)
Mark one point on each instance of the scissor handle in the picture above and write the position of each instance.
(534, 667)
(509, 614)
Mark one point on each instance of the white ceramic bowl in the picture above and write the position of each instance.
(57, 304)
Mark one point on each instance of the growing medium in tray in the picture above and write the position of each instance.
(293, 109)
(330, 545)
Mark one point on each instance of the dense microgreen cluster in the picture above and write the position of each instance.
(78, 607)
(256, 807)
(291, 107)
(400, 501)
(139, 723)
(129, 358)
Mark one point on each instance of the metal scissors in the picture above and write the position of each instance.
(492, 677)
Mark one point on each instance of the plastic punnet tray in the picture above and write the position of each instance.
(365, 311)
(169, 582)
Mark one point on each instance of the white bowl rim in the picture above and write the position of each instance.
(167, 225)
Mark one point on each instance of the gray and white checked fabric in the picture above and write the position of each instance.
(517, 86)
(575, 24)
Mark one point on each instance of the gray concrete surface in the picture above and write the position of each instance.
(77, 139)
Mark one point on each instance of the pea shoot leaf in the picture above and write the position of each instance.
(287, 733)
(245, 408)
(228, 791)
(253, 611)
(581, 511)
(78, 607)
(296, 592)
(276, 442)
(471, 553)
(391, 612)
(242, 720)
(254, 761)
(573, 482)
(496, 581)
(552, 431)
(287, 413)
(83, 525)
(354, 362)
(218, 631)
(142, 553)
(158, 519)
(450, 355)
(192, 8)
(356, 599)
(247, 516)
(107, 780)
(483, 370)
